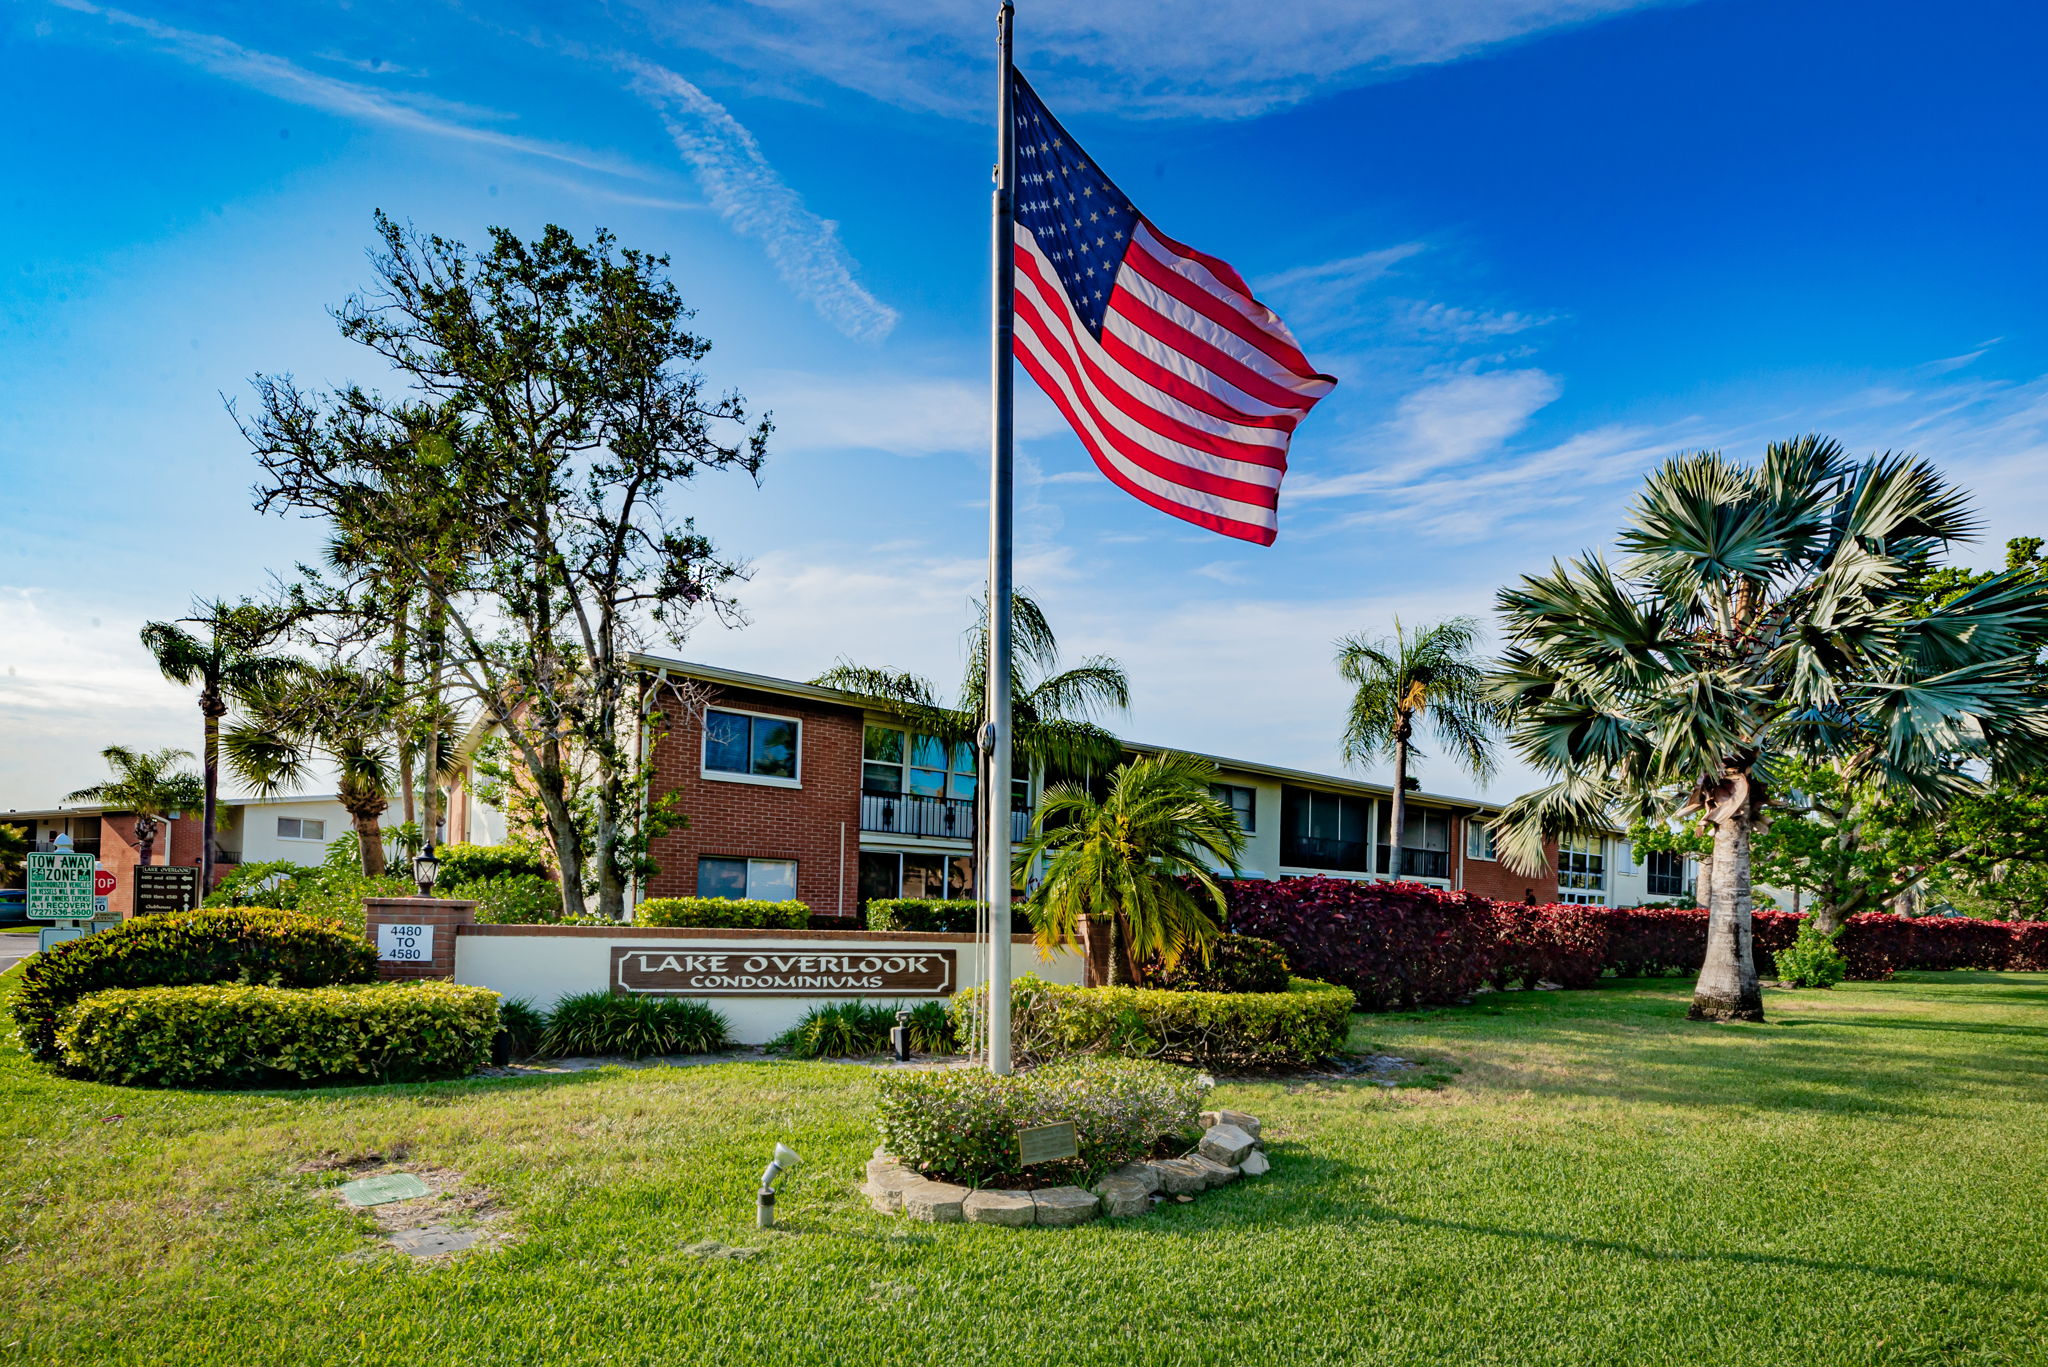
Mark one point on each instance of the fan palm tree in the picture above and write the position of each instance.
(331, 715)
(1143, 858)
(1432, 675)
(1762, 615)
(224, 658)
(1052, 710)
(149, 784)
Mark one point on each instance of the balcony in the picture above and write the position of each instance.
(944, 818)
(1312, 852)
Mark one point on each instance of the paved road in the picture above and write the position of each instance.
(14, 948)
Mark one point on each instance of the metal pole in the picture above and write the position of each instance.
(995, 845)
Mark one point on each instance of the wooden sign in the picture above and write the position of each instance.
(1047, 1143)
(658, 971)
(164, 888)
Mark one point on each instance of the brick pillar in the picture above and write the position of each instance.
(443, 914)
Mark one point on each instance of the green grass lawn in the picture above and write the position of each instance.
(1863, 1180)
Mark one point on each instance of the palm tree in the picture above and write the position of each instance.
(1142, 858)
(1432, 675)
(13, 851)
(1763, 615)
(1052, 709)
(150, 784)
(328, 714)
(224, 659)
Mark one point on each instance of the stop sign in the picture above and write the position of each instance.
(102, 883)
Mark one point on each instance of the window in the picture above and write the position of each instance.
(1666, 871)
(886, 873)
(1478, 839)
(751, 747)
(1425, 842)
(300, 828)
(1323, 830)
(1243, 803)
(765, 880)
(1582, 869)
(903, 762)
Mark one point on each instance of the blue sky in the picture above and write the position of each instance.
(1542, 243)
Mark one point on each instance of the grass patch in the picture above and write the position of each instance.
(1591, 1180)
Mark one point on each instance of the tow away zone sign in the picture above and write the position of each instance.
(60, 887)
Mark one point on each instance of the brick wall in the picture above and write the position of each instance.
(818, 825)
(1491, 878)
(444, 914)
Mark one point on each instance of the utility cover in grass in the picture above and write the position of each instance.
(377, 1191)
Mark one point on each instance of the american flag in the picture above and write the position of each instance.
(1184, 388)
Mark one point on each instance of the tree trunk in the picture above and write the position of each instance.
(1397, 811)
(145, 837)
(1826, 917)
(1703, 886)
(369, 838)
(1728, 989)
(211, 705)
(400, 652)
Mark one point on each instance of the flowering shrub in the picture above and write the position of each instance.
(1392, 944)
(961, 1123)
(1214, 1029)
(246, 1036)
(2029, 946)
(1561, 943)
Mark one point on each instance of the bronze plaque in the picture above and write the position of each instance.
(660, 971)
(1046, 1143)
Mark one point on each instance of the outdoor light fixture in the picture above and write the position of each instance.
(899, 1038)
(425, 869)
(785, 1159)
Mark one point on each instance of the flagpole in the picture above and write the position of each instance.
(995, 842)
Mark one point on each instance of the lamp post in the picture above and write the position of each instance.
(425, 869)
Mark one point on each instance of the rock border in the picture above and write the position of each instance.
(1230, 1147)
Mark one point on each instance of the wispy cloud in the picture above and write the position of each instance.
(286, 80)
(746, 191)
(908, 415)
(1219, 59)
(1444, 322)
(1949, 363)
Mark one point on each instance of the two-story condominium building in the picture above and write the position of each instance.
(793, 790)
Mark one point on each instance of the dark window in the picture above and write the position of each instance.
(885, 873)
(1425, 842)
(1323, 830)
(1243, 803)
(768, 880)
(740, 743)
(1666, 872)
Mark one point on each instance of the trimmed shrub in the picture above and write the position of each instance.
(247, 1036)
(950, 916)
(232, 944)
(510, 899)
(467, 863)
(1237, 963)
(2029, 946)
(633, 1026)
(1559, 943)
(1213, 1029)
(275, 883)
(961, 1123)
(722, 913)
(838, 1030)
(1393, 944)
(1812, 960)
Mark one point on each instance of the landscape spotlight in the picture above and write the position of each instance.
(764, 1209)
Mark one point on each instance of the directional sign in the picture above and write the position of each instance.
(162, 888)
(60, 887)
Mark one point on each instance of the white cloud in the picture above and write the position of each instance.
(1443, 322)
(753, 198)
(1218, 59)
(1345, 273)
(288, 81)
(909, 415)
(1441, 425)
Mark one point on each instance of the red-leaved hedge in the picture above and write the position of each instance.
(1399, 945)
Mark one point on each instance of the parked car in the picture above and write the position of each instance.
(13, 906)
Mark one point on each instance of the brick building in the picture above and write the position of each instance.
(795, 790)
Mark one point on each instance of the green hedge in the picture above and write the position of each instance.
(465, 863)
(509, 899)
(228, 944)
(720, 913)
(244, 1036)
(952, 916)
(962, 1123)
(1288, 1029)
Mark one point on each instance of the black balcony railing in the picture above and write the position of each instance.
(947, 818)
(1416, 863)
(1311, 852)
